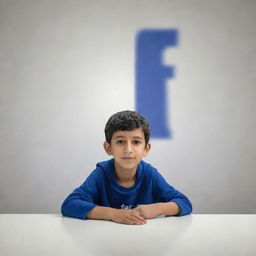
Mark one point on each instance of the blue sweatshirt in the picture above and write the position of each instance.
(101, 189)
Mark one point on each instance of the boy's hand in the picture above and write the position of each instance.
(148, 211)
(130, 217)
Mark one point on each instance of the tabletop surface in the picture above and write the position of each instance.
(202, 234)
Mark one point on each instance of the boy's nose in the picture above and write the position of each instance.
(128, 148)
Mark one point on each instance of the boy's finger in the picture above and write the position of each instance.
(136, 214)
(139, 212)
(134, 219)
(137, 222)
(138, 217)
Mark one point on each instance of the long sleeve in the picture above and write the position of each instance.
(166, 193)
(101, 189)
(81, 201)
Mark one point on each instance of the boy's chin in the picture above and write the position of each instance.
(128, 165)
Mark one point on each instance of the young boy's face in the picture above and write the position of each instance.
(128, 148)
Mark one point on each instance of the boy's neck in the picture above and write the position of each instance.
(126, 178)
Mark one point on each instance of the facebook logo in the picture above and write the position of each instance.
(151, 76)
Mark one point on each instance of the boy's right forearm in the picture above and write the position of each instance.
(102, 213)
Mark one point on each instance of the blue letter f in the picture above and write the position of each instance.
(151, 74)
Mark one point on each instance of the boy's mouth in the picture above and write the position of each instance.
(128, 158)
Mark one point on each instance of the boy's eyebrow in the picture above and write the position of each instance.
(138, 137)
(120, 137)
(117, 137)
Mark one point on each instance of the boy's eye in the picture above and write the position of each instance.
(119, 141)
(137, 142)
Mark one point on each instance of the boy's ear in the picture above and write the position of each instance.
(107, 148)
(147, 149)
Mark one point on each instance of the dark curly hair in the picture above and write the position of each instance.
(126, 121)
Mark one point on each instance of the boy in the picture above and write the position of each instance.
(125, 189)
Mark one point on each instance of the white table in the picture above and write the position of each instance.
(52, 234)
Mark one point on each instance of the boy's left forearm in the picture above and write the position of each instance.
(168, 209)
(149, 211)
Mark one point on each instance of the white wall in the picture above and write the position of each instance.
(66, 66)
